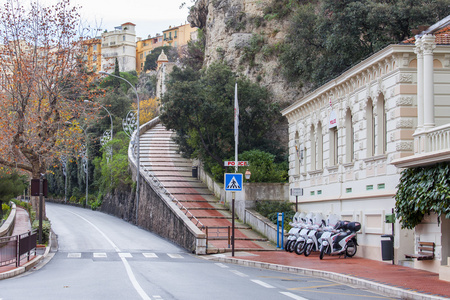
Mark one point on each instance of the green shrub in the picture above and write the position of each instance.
(270, 209)
(6, 209)
(46, 227)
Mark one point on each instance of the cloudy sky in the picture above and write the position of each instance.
(150, 16)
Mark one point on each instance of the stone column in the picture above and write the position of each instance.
(428, 44)
(419, 53)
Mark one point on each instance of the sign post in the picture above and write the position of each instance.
(233, 183)
(296, 192)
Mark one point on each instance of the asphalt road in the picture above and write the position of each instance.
(103, 257)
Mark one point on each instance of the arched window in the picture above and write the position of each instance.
(319, 148)
(381, 126)
(334, 146)
(297, 154)
(312, 136)
(349, 137)
(370, 129)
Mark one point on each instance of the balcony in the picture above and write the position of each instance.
(430, 146)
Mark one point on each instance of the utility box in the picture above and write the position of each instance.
(195, 171)
(387, 247)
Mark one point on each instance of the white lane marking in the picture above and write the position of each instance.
(262, 283)
(125, 255)
(154, 296)
(130, 273)
(221, 265)
(293, 296)
(133, 280)
(150, 255)
(74, 255)
(238, 273)
(174, 255)
(100, 255)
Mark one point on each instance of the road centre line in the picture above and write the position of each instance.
(262, 283)
(130, 273)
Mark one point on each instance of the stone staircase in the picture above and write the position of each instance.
(159, 156)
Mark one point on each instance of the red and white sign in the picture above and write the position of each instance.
(333, 120)
(233, 163)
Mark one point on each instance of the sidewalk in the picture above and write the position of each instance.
(22, 225)
(388, 279)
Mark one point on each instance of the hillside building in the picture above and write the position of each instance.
(120, 44)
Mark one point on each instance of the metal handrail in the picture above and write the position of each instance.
(156, 183)
(13, 247)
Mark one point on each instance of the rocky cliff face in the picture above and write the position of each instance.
(237, 33)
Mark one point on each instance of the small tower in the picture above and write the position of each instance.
(162, 59)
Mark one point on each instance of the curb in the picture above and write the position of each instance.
(29, 265)
(370, 285)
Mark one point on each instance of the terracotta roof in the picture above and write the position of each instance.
(442, 37)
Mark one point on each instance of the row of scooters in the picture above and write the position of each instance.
(311, 232)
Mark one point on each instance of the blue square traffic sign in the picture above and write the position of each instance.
(233, 182)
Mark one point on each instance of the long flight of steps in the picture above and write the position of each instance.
(159, 156)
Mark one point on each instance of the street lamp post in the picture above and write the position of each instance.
(105, 138)
(137, 139)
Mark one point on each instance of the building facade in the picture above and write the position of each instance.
(93, 54)
(178, 36)
(145, 47)
(345, 136)
(120, 44)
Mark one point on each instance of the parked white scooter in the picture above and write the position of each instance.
(299, 245)
(341, 241)
(296, 224)
(313, 240)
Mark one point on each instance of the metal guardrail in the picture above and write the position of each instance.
(156, 183)
(14, 248)
(218, 233)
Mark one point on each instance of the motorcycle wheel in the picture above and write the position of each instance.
(300, 247)
(322, 251)
(308, 249)
(351, 249)
(286, 246)
(292, 246)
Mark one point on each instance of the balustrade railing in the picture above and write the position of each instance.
(439, 138)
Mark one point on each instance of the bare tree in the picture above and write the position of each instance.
(43, 82)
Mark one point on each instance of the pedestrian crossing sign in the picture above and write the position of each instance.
(233, 182)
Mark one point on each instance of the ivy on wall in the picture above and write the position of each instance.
(423, 190)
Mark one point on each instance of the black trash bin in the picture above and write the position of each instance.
(387, 247)
(195, 171)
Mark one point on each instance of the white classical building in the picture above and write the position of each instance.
(120, 44)
(345, 136)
